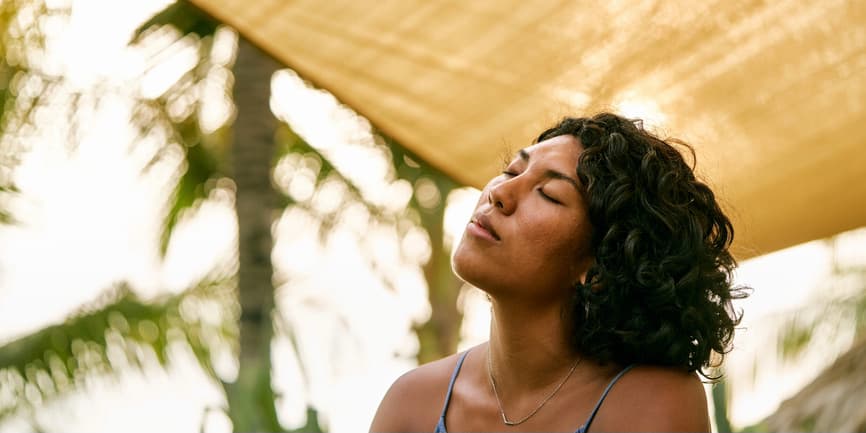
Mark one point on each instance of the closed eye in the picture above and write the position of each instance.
(509, 173)
(547, 197)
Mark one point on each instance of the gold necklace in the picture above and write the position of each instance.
(537, 408)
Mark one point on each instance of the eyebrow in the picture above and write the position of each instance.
(552, 174)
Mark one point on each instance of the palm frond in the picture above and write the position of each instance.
(183, 16)
(311, 425)
(22, 39)
(291, 143)
(836, 315)
(833, 314)
(204, 154)
(202, 169)
(114, 333)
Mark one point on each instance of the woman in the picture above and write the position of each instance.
(607, 266)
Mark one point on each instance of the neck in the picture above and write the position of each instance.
(528, 347)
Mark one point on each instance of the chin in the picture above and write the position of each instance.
(473, 268)
(468, 264)
(457, 262)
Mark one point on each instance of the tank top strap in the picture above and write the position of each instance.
(585, 427)
(440, 426)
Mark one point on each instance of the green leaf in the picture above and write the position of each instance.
(289, 142)
(720, 406)
(759, 427)
(414, 169)
(202, 170)
(106, 337)
(183, 16)
(312, 424)
(795, 338)
(21, 39)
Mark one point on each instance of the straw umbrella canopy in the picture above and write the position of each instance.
(771, 94)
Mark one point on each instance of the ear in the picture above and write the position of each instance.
(581, 269)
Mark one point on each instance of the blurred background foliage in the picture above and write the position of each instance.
(833, 400)
(22, 81)
(267, 170)
(120, 331)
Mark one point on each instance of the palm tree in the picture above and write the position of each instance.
(250, 397)
(52, 360)
(120, 319)
(834, 400)
(440, 334)
(22, 82)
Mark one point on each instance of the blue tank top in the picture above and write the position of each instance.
(440, 426)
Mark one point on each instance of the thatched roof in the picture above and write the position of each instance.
(772, 94)
(834, 402)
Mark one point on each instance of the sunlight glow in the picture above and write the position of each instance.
(90, 216)
(634, 106)
(461, 204)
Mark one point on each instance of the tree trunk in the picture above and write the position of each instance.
(250, 397)
(439, 336)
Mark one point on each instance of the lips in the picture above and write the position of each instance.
(482, 221)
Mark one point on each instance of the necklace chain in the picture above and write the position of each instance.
(537, 408)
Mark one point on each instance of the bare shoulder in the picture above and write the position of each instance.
(655, 399)
(415, 399)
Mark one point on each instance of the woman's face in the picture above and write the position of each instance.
(529, 234)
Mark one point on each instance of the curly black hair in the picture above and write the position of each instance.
(660, 289)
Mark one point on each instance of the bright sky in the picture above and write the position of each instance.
(89, 218)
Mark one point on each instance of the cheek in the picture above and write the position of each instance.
(560, 251)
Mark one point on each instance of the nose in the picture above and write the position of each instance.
(502, 197)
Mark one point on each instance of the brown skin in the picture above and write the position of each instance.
(528, 268)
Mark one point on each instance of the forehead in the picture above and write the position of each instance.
(563, 149)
